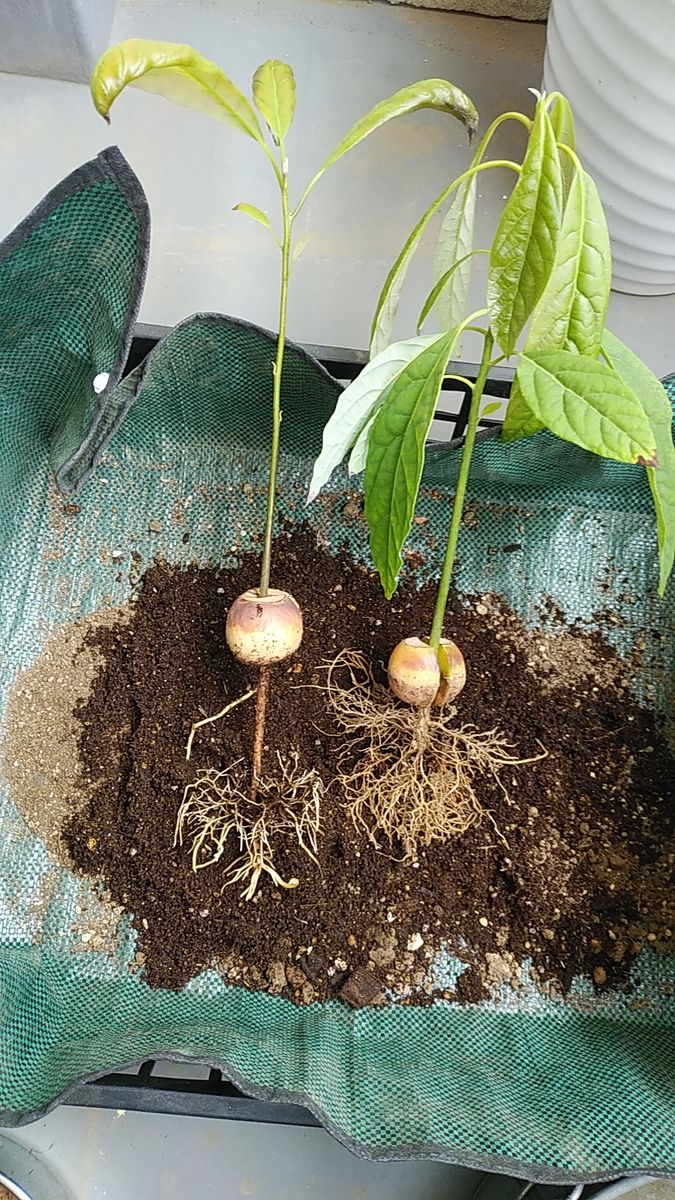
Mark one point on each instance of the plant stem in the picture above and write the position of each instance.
(458, 506)
(276, 390)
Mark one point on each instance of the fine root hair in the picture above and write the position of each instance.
(410, 776)
(217, 813)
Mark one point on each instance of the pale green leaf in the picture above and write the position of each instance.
(255, 214)
(493, 407)
(396, 449)
(585, 402)
(274, 96)
(387, 304)
(452, 259)
(661, 478)
(571, 312)
(427, 93)
(359, 454)
(562, 121)
(357, 404)
(525, 243)
(439, 286)
(176, 72)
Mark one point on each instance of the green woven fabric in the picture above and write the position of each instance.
(556, 1090)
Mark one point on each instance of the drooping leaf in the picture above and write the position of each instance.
(427, 93)
(176, 72)
(387, 304)
(585, 402)
(438, 288)
(255, 214)
(357, 404)
(396, 449)
(527, 235)
(562, 121)
(571, 312)
(274, 96)
(453, 253)
(662, 479)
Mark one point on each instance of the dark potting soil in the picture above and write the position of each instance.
(578, 878)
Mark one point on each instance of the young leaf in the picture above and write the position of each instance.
(176, 72)
(659, 410)
(255, 214)
(585, 402)
(274, 96)
(427, 93)
(524, 246)
(562, 121)
(571, 312)
(357, 404)
(453, 252)
(491, 408)
(395, 459)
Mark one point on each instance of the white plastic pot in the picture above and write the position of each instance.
(615, 62)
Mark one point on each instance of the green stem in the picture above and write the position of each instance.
(458, 506)
(276, 390)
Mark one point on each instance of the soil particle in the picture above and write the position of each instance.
(577, 880)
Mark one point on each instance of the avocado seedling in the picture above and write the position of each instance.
(264, 625)
(547, 293)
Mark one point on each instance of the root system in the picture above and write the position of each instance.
(415, 777)
(218, 810)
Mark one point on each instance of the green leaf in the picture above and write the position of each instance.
(491, 408)
(519, 421)
(255, 214)
(396, 449)
(274, 96)
(585, 402)
(525, 243)
(662, 479)
(427, 93)
(176, 72)
(358, 403)
(452, 259)
(562, 121)
(571, 312)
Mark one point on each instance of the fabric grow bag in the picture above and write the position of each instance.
(555, 1090)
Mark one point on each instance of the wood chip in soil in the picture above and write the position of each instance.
(578, 882)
